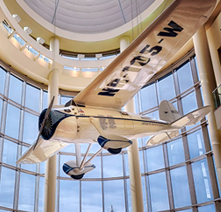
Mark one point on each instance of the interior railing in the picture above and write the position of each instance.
(217, 96)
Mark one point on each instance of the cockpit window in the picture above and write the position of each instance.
(124, 113)
(71, 102)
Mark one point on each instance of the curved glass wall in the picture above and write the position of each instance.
(177, 175)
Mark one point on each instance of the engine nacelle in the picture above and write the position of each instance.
(71, 169)
(58, 125)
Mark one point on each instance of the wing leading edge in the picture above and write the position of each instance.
(146, 55)
(42, 151)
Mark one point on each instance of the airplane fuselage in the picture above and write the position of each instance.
(86, 124)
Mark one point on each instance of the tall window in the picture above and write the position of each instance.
(177, 175)
(180, 172)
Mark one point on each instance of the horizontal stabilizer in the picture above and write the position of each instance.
(43, 150)
(157, 139)
(192, 117)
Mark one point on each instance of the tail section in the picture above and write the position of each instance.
(167, 112)
(192, 117)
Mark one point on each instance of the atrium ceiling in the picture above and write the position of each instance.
(88, 16)
(87, 26)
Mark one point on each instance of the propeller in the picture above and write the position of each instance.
(44, 121)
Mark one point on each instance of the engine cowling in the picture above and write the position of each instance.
(58, 125)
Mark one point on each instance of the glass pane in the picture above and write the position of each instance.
(148, 97)
(0, 112)
(32, 97)
(42, 167)
(153, 115)
(129, 195)
(155, 159)
(65, 99)
(12, 121)
(9, 153)
(202, 181)
(180, 190)
(41, 194)
(26, 192)
(30, 132)
(137, 109)
(94, 147)
(7, 185)
(15, 89)
(207, 208)
(95, 173)
(69, 198)
(91, 202)
(158, 192)
(189, 103)
(196, 144)
(2, 80)
(185, 77)
(175, 152)
(165, 88)
(145, 204)
(112, 166)
(45, 99)
(114, 195)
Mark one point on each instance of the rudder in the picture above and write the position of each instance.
(167, 112)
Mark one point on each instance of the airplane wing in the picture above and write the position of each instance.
(146, 55)
(42, 151)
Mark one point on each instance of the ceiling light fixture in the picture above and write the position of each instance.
(27, 30)
(98, 56)
(40, 40)
(16, 17)
(81, 56)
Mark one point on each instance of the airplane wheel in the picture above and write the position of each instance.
(77, 177)
(114, 151)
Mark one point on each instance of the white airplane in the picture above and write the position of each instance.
(95, 116)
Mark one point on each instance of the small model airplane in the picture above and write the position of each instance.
(95, 116)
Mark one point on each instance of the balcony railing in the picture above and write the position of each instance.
(217, 96)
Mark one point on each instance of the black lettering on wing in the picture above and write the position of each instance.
(140, 61)
(154, 50)
(171, 32)
(108, 92)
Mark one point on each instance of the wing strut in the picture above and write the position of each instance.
(85, 156)
(93, 156)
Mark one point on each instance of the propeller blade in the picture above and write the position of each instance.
(43, 123)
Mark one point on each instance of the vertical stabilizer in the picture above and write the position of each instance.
(167, 112)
